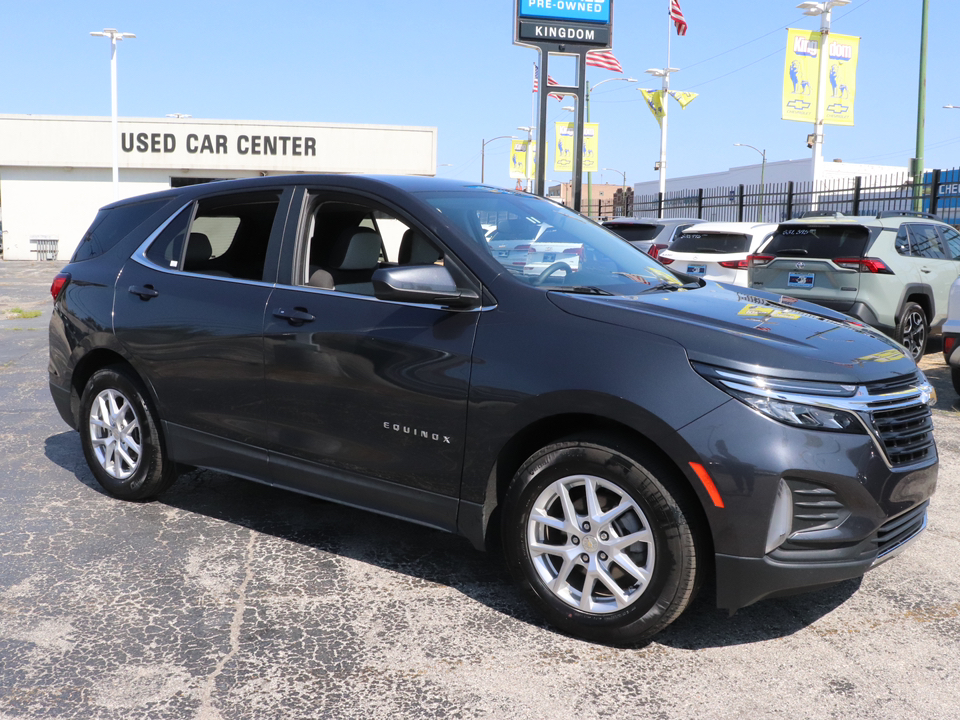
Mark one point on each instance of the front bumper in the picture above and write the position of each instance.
(850, 508)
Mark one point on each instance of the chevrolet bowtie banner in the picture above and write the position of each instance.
(801, 72)
(563, 156)
(522, 159)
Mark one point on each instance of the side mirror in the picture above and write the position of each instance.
(423, 284)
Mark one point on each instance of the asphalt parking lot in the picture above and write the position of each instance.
(226, 599)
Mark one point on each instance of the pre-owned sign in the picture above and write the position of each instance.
(588, 10)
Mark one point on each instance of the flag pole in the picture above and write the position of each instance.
(663, 125)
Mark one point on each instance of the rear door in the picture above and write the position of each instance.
(189, 309)
(813, 262)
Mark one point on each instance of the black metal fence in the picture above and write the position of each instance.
(936, 192)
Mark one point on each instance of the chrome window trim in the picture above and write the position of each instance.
(341, 293)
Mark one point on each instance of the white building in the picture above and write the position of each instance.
(56, 172)
(780, 172)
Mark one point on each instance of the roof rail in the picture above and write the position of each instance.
(906, 213)
(820, 213)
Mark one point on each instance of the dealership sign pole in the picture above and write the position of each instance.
(563, 27)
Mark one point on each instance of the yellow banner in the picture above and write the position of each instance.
(801, 73)
(566, 140)
(683, 97)
(654, 100)
(522, 162)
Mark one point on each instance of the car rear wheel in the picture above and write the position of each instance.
(599, 543)
(912, 330)
(121, 442)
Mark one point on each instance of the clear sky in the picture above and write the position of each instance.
(452, 65)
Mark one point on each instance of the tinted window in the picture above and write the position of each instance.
(902, 243)
(925, 242)
(818, 241)
(952, 240)
(230, 234)
(694, 242)
(634, 232)
(167, 249)
(113, 224)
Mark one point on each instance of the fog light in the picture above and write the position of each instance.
(781, 520)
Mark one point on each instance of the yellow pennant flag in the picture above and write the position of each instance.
(654, 100)
(683, 97)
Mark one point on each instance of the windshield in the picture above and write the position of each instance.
(634, 232)
(544, 244)
(720, 243)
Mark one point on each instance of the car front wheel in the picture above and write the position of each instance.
(120, 437)
(598, 542)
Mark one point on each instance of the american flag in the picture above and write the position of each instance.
(604, 59)
(550, 81)
(676, 14)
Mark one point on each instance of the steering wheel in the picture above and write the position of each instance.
(550, 270)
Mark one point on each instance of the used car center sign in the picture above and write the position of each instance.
(575, 21)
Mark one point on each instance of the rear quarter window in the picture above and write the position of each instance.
(819, 241)
(111, 225)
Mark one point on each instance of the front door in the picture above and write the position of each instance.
(364, 393)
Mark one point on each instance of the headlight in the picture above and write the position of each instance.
(793, 402)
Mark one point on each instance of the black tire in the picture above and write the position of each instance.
(913, 330)
(657, 575)
(955, 378)
(120, 436)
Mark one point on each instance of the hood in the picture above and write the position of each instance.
(753, 331)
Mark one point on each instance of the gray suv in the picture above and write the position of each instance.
(892, 271)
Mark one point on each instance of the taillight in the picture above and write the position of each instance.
(523, 248)
(949, 343)
(574, 251)
(760, 260)
(59, 283)
(665, 260)
(734, 264)
(864, 265)
(654, 250)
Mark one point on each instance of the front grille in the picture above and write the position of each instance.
(893, 385)
(901, 529)
(906, 433)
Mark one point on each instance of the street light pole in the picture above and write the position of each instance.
(665, 74)
(483, 149)
(114, 36)
(823, 9)
(763, 169)
(587, 99)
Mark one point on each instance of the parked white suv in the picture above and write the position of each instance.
(717, 250)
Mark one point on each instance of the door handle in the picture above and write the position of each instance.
(144, 291)
(297, 316)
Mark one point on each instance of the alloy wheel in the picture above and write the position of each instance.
(591, 544)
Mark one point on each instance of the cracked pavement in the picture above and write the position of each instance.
(229, 600)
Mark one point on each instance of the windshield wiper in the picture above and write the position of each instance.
(581, 290)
